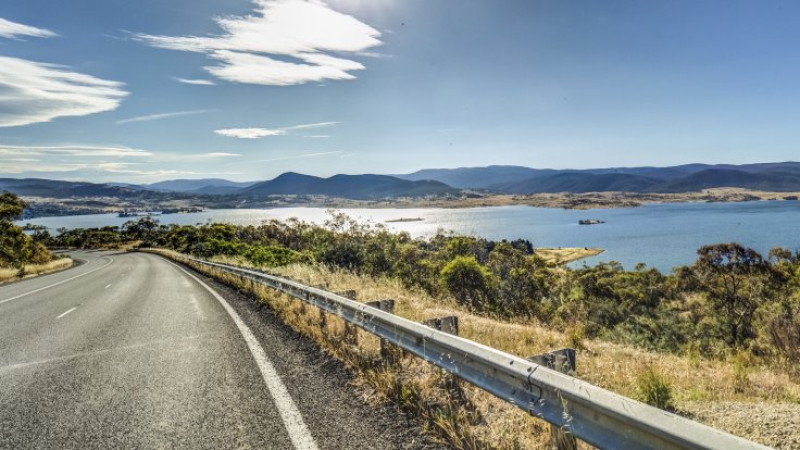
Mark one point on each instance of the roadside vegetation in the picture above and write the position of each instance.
(724, 329)
(731, 300)
(23, 254)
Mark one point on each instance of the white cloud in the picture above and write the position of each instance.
(162, 116)
(257, 133)
(249, 133)
(13, 30)
(222, 155)
(34, 92)
(198, 82)
(308, 31)
(317, 136)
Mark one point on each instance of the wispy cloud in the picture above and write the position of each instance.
(195, 81)
(317, 136)
(84, 153)
(249, 133)
(73, 150)
(103, 162)
(160, 116)
(34, 92)
(306, 126)
(113, 170)
(308, 32)
(257, 133)
(13, 30)
(305, 155)
(222, 155)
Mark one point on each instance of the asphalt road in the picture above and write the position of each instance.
(132, 351)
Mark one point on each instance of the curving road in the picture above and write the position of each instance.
(133, 351)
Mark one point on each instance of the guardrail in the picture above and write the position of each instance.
(599, 417)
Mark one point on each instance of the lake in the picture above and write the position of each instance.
(661, 235)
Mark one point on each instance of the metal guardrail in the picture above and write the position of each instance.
(599, 417)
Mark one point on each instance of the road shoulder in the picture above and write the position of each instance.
(321, 386)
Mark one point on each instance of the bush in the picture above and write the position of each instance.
(273, 256)
(653, 388)
(467, 281)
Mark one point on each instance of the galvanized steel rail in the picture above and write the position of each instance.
(595, 415)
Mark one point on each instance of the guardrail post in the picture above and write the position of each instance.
(350, 330)
(449, 325)
(562, 360)
(323, 320)
(387, 306)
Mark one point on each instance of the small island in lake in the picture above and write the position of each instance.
(590, 221)
(406, 219)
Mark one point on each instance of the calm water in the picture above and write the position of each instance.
(661, 236)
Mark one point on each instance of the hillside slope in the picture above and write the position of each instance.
(39, 187)
(358, 187)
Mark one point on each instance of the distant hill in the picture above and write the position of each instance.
(358, 187)
(210, 186)
(478, 177)
(784, 176)
(778, 177)
(582, 182)
(765, 180)
(37, 187)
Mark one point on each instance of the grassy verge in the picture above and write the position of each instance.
(465, 417)
(31, 270)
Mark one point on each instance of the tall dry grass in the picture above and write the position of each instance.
(31, 270)
(470, 418)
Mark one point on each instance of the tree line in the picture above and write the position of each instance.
(18, 248)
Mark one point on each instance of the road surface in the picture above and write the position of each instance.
(129, 350)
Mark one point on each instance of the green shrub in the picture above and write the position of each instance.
(467, 281)
(653, 388)
(272, 256)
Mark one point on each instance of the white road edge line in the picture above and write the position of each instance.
(110, 260)
(292, 419)
(67, 312)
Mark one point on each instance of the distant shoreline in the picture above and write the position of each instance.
(50, 207)
(591, 200)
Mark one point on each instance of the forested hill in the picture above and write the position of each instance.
(359, 187)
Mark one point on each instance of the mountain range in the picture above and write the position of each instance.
(685, 178)
(781, 177)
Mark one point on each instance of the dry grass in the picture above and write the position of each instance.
(9, 274)
(564, 255)
(482, 421)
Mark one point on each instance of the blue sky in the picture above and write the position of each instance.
(118, 90)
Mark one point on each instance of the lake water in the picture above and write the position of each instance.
(662, 236)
